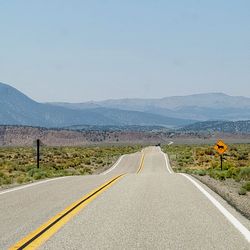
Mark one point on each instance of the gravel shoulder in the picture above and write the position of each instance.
(228, 190)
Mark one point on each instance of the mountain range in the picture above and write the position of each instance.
(201, 107)
(219, 126)
(18, 109)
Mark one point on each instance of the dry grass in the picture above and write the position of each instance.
(18, 164)
(204, 160)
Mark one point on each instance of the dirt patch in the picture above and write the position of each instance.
(228, 190)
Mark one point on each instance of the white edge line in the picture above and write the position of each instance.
(113, 167)
(31, 185)
(236, 223)
(167, 162)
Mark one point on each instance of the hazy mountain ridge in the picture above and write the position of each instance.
(210, 106)
(219, 126)
(18, 109)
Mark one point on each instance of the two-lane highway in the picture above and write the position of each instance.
(148, 208)
(24, 210)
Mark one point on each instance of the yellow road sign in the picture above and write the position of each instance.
(221, 147)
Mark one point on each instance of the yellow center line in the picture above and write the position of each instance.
(48, 229)
(141, 164)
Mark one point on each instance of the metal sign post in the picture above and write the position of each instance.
(37, 153)
(221, 162)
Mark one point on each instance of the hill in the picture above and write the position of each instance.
(171, 112)
(219, 126)
(18, 109)
(26, 135)
(202, 107)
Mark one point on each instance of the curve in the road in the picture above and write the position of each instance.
(141, 164)
(178, 215)
(48, 229)
(114, 166)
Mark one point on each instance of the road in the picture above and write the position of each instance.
(148, 208)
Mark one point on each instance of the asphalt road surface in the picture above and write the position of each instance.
(149, 207)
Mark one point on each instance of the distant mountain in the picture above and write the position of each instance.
(18, 109)
(134, 128)
(219, 126)
(79, 106)
(211, 106)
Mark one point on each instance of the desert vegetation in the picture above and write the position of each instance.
(204, 160)
(18, 164)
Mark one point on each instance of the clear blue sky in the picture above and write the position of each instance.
(76, 50)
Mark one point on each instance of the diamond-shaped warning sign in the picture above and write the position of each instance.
(221, 147)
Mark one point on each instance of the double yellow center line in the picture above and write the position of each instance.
(48, 229)
(141, 164)
(43, 233)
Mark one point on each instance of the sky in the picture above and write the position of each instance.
(77, 50)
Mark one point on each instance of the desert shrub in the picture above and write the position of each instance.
(72, 171)
(242, 191)
(27, 179)
(247, 186)
(243, 156)
(242, 163)
(245, 173)
(221, 175)
(187, 170)
(5, 180)
(99, 161)
(233, 172)
(209, 151)
(234, 154)
(1, 181)
(2, 175)
(217, 174)
(234, 148)
(214, 164)
(88, 171)
(227, 165)
(87, 161)
(40, 175)
(20, 179)
(31, 172)
(200, 172)
(178, 169)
